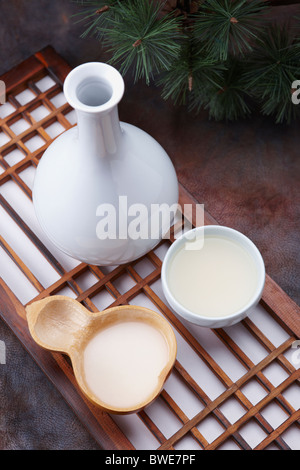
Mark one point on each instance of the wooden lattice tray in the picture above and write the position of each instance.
(233, 388)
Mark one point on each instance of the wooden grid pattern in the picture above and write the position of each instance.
(102, 426)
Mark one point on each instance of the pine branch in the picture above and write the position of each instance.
(95, 18)
(229, 26)
(231, 101)
(212, 54)
(271, 70)
(138, 38)
(189, 77)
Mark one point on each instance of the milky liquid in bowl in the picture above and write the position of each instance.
(122, 363)
(216, 280)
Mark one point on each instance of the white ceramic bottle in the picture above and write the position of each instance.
(101, 164)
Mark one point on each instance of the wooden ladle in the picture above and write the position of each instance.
(59, 323)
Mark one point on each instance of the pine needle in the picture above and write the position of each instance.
(189, 77)
(139, 39)
(229, 26)
(231, 101)
(271, 70)
(212, 54)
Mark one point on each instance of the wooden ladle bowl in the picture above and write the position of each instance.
(59, 323)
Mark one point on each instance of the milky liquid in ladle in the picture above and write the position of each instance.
(217, 280)
(122, 363)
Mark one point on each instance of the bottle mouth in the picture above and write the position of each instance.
(94, 92)
(94, 87)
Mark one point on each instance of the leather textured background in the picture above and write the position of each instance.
(246, 173)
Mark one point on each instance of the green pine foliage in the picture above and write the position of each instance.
(271, 70)
(191, 76)
(138, 39)
(231, 100)
(219, 55)
(227, 26)
(95, 15)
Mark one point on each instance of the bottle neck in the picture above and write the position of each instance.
(99, 134)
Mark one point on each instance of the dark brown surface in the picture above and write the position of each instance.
(246, 173)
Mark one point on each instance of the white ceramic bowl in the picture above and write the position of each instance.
(221, 321)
